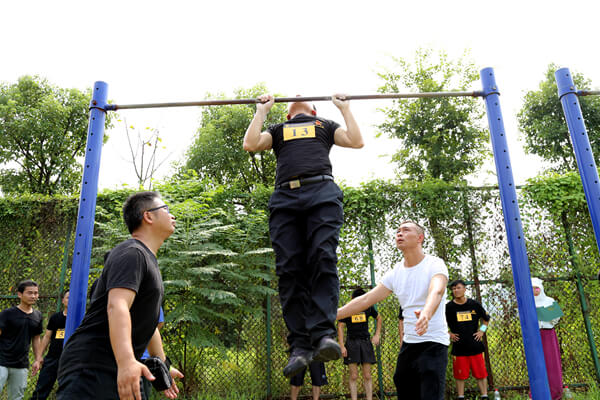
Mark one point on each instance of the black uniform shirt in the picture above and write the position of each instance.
(302, 147)
(463, 319)
(18, 328)
(130, 265)
(358, 324)
(56, 324)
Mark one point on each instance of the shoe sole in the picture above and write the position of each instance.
(328, 354)
(289, 372)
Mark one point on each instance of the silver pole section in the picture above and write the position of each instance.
(115, 107)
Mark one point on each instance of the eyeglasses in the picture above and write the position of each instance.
(166, 207)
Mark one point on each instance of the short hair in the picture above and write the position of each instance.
(456, 282)
(62, 296)
(135, 206)
(357, 292)
(420, 229)
(25, 284)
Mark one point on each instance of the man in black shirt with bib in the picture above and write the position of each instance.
(100, 359)
(463, 315)
(55, 335)
(305, 219)
(20, 326)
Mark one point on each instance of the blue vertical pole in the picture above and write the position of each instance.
(84, 232)
(567, 92)
(532, 342)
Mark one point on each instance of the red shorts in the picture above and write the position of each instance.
(462, 365)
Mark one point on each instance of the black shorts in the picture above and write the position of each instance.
(360, 351)
(318, 376)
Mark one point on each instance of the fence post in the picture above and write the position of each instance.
(84, 232)
(63, 269)
(567, 92)
(532, 342)
(469, 224)
(584, 306)
(379, 364)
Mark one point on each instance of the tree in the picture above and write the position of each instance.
(217, 152)
(43, 129)
(144, 155)
(545, 131)
(440, 138)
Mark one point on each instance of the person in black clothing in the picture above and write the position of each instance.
(55, 334)
(463, 315)
(318, 377)
(20, 326)
(358, 349)
(100, 359)
(305, 219)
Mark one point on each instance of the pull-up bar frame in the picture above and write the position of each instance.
(115, 107)
(516, 240)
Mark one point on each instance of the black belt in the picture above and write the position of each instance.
(296, 183)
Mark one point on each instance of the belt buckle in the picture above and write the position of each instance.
(295, 184)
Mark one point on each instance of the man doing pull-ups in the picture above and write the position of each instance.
(305, 219)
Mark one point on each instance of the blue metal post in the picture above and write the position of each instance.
(532, 342)
(84, 232)
(567, 92)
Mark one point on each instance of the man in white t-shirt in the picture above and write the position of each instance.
(419, 282)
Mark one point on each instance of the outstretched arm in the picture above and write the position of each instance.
(254, 139)
(351, 136)
(437, 286)
(363, 302)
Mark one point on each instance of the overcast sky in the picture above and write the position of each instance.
(150, 51)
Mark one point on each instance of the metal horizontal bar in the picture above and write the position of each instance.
(115, 107)
(588, 92)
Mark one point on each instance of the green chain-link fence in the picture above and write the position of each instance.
(250, 363)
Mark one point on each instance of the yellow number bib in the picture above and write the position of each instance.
(464, 316)
(60, 334)
(359, 318)
(298, 131)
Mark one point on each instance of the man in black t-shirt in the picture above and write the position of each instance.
(20, 326)
(463, 315)
(358, 349)
(99, 361)
(305, 219)
(55, 334)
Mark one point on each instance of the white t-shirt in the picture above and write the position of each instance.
(411, 286)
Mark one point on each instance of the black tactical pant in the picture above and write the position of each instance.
(304, 225)
(46, 379)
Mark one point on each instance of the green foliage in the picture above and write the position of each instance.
(440, 138)
(217, 152)
(557, 193)
(560, 199)
(42, 130)
(545, 132)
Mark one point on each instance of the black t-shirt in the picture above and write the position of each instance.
(130, 265)
(56, 324)
(18, 328)
(358, 325)
(463, 319)
(302, 147)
